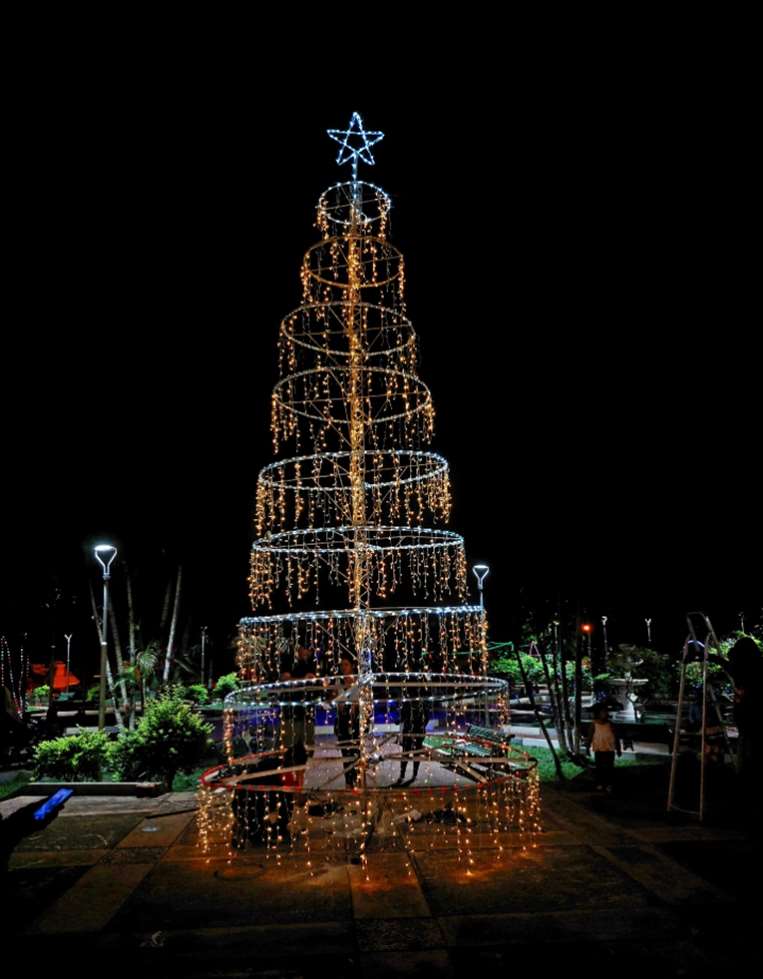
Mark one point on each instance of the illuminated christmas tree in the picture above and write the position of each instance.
(351, 560)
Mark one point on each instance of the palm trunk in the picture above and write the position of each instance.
(127, 699)
(118, 654)
(173, 626)
(539, 717)
(130, 618)
(165, 610)
(569, 744)
(109, 680)
(556, 701)
(131, 641)
(578, 692)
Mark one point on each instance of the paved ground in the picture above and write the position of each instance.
(118, 885)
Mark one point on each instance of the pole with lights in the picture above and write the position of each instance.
(104, 554)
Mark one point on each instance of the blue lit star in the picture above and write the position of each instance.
(355, 143)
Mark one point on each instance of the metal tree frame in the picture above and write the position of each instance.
(352, 512)
(349, 514)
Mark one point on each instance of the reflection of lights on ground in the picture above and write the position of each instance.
(444, 813)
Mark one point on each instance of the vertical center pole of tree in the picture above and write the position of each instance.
(360, 563)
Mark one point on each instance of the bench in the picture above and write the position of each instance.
(468, 757)
(489, 734)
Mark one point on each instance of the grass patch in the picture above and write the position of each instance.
(547, 769)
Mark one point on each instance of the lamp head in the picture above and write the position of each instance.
(105, 554)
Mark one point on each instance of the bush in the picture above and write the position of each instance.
(715, 673)
(170, 738)
(41, 693)
(75, 758)
(198, 693)
(225, 685)
(536, 675)
(509, 668)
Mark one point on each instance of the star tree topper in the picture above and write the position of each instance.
(355, 143)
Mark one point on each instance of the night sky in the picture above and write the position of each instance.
(578, 278)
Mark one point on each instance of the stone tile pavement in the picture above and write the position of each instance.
(117, 886)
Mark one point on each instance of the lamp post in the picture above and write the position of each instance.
(481, 571)
(587, 630)
(104, 554)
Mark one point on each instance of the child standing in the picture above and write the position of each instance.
(603, 738)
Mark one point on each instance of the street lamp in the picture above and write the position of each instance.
(587, 630)
(104, 554)
(481, 571)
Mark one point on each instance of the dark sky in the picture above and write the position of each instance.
(577, 273)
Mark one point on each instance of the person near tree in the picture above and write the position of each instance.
(297, 724)
(603, 739)
(347, 722)
(413, 722)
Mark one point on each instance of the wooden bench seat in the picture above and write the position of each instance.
(461, 754)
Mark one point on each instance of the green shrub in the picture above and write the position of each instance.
(198, 693)
(41, 693)
(225, 685)
(508, 667)
(716, 674)
(75, 758)
(171, 737)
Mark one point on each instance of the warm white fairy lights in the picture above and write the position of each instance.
(353, 202)
(343, 532)
(401, 485)
(472, 785)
